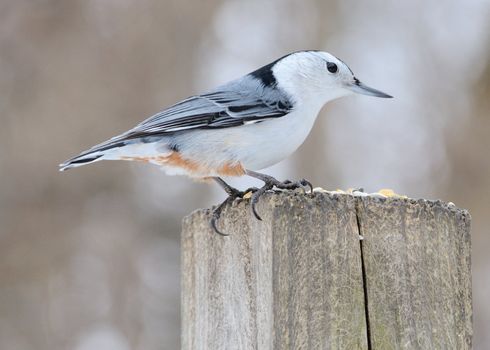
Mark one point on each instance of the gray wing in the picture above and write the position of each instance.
(240, 102)
(250, 99)
(243, 101)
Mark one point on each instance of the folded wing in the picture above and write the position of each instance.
(240, 102)
(237, 103)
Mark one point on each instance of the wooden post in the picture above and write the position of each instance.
(303, 279)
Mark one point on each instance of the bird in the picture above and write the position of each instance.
(238, 128)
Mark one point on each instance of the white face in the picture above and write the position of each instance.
(318, 77)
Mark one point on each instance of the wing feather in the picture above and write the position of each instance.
(243, 101)
(237, 103)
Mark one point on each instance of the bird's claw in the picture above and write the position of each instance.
(255, 193)
(290, 185)
(217, 213)
(270, 184)
(255, 198)
(233, 194)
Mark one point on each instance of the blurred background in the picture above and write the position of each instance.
(89, 259)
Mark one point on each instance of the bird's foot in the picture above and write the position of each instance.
(233, 194)
(254, 194)
(270, 183)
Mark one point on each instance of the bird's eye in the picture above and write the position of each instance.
(332, 67)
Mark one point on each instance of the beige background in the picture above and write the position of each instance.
(89, 259)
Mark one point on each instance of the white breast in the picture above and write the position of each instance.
(277, 139)
(255, 146)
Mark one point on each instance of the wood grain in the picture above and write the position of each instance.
(297, 279)
(292, 281)
(418, 273)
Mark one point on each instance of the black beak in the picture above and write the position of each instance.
(360, 88)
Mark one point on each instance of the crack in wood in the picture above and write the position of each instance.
(364, 276)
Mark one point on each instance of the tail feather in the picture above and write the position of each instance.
(114, 149)
(93, 154)
(80, 160)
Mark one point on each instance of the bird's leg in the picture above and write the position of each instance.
(233, 193)
(271, 182)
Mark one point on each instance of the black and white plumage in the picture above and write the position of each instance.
(249, 123)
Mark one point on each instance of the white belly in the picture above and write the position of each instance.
(255, 146)
(275, 140)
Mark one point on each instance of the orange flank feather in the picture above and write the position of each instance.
(192, 167)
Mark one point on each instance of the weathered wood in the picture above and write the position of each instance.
(299, 279)
(418, 277)
(292, 281)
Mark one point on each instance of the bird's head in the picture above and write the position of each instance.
(319, 77)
